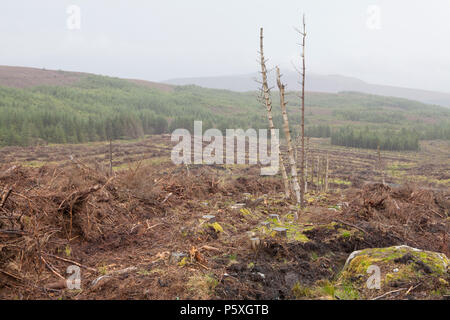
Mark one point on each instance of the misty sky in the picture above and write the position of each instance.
(409, 45)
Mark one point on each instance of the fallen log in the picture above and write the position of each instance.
(13, 232)
(11, 275)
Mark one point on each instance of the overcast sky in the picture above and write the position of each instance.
(402, 42)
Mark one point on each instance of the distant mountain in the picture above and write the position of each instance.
(318, 83)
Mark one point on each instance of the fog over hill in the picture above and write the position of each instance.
(319, 83)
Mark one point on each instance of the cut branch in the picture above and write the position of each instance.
(5, 197)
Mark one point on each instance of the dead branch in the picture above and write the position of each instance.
(13, 232)
(351, 225)
(70, 261)
(388, 293)
(11, 275)
(5, 197)
(51, 268)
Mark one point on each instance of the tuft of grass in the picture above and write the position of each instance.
(202, 285)
(346, 234)
(300, 291)
(103, 270)
(347, 292)
(232, 257)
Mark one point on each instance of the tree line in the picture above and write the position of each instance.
(385, 138)
(102, 108)
(405, 139)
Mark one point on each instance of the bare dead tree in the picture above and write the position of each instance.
(318, 173)
(302, 165)
(287, 133)
(306, 176)
(326, 174)
(110, 158)
(296, 148)
(312, 171)
(380, 165)
(306, 164)
(268, 103)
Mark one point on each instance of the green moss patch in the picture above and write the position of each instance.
(402, 268)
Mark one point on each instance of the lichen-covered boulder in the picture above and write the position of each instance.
(399, 272)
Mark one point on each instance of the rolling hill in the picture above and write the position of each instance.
(23, 77)
(318, 83)
(44, 106)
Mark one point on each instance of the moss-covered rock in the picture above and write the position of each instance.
(399, 272)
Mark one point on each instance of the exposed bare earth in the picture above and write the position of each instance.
(348, 166)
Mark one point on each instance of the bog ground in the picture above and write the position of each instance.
(141, 233)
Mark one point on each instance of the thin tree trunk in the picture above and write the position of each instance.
(380, 165)
(326, 175)
(287, 191)
(306, 176)
(306, 164)
(268, 103)
(322, 177)
(302, 166)
(287, 134)
(312, 171)
(318, 173)
(321, 174)
(110, 158)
